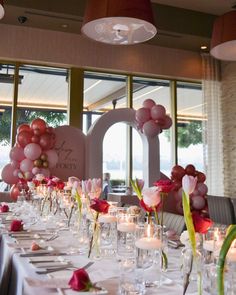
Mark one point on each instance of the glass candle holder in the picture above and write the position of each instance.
(126, 228)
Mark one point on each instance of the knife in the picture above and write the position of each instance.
(41, 254)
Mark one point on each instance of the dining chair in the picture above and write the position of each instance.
(233, 201)
(174, 221)
(221, 210)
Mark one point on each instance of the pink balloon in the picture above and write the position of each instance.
(151, 129)
(198, 202)
(202, 188)
(7, 174)
(15, 172)
(142, 115)
(32, 151)
(45, 172)
(17, 153)
(26, 165)
(158, 112)
(149, 103)
(35, 170)
(52, 158)
(15, 164)
(167, 123)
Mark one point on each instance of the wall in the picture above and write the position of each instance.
(228, 98)
(58, 48)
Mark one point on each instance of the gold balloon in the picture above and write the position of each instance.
(45, 164)
(38, 163)
(43, 157)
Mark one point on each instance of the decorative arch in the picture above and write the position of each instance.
(94, 145)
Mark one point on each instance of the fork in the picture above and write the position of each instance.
(69, 266)
(53, 237)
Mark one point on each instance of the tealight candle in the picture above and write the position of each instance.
(148, 243)
(209, 245)
(126, 227)
(107, 218)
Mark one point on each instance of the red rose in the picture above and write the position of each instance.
(150, 209)
(165, 186)
(4, 208)
(60, 185)
(100, 206)
(16, 225)
(201, 224)
(80, 280)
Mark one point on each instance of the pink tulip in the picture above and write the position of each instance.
(188, 183)
(151, 196)
(140, 183)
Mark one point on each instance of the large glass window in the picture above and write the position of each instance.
(43, 92)
(159, 91)
(6, 99)
(189, 124)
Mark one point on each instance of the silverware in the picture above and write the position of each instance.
(43, 254)
(69, 266)
(43, 261)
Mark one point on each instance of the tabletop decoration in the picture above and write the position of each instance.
(225, 249)
(4, 208)
(16, 225)
(80, 280)
(99, 206)
(33, 152)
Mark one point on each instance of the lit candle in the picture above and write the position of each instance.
(126, 227)
(149, 242)
(107, 218)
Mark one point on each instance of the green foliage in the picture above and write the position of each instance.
(188, 133)
(53, 118)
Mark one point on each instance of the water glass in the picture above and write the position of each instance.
(131, 278)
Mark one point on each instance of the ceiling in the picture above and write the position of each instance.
(184, 24)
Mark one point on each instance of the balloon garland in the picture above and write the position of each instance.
(151, 119)
(32, 154)
(198, 199)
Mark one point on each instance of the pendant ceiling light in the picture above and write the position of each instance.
(2, 11)
(223, 42)
(119, 21)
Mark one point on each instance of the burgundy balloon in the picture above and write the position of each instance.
(202, 188)
(17, 154)
(149, 103)
(14, 192)
(158, 112)
(142, 115)
(177, 172)
(23, 138)
(179, 207)
(177, 185)
(39, 124)
(198, 202)
(23, 127)
(201, 177)
(167, 122)
(35, 139)
(7, 174)
(150, 128)
(190, 169)
(45, 141)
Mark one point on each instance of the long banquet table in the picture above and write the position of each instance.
(18, 276)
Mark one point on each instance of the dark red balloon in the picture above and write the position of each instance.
(201, 177)
(45, 141)
(190, 170)
(24, 137)
(177, 172)
(14, 192)
(23, 127)
(39, 124)
(177, 185)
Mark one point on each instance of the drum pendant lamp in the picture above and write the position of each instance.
(2, 11)
(119, 22)
(223, 42)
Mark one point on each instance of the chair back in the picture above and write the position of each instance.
(221, 210)
(174, 221)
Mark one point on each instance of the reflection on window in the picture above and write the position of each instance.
(137, 155)
(159, 91)
(6, 98)
(189, 124)
(114, 152)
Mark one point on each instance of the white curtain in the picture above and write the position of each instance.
(212, 134)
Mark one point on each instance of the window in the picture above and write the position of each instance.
(6, 99)
(189, 124)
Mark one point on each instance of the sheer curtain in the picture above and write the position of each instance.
(212, 131)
